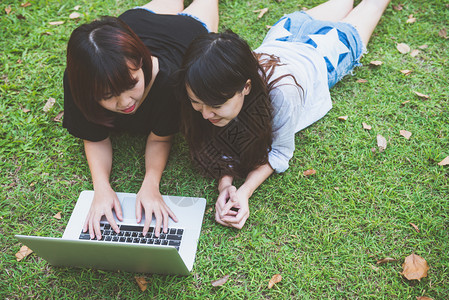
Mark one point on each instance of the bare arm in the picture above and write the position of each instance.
(149, 196)
(230, 197)
(99, 158)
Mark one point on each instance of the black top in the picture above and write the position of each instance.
(167, 38)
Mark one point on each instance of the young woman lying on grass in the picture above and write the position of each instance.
(241, 109)
(119, 77)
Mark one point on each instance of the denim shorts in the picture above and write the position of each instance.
(181, 14)
(338, 42)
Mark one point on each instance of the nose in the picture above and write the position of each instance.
(206, 111)
(123, 101)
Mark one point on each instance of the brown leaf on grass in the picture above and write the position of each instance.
(444, 162)
(423, 298)
(58, 117)
(141, 282)
(8, 9)
(361, 80)
(405, 102)
(398, 7)
(415, 227)
(375, 62)
(443, 33)
(421, 95)
(414, 53)
(74, 15)
(374, 268)
(261, 12)
(26, 4)
(77, 7)
(415, 267)
(411, 19)
(56, 23)
(57, 216)
(406, 72)
(221, 281)
(366, 126)
(268, 26)
(50, 102)
(343, 118)
(26, 110)
(309, 172)
(23, 252)
(385, 260)
(381, 143)
(275, 279)
(423, 46)
(405, 133)
(403, 48)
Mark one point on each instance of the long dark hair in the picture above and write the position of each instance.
(215, 67)
(99, 57)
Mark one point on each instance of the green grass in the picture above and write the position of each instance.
(322, 233)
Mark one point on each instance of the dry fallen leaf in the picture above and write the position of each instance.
(405, 102)
(142, 283)
(343, 118)
(309, 172)
(403, 48)
(415, 227)
(50, 102)
(74, 15)
(444, 162)
(58, 117)
(362, 80)
(57, 216)
(376, 63)
(398, 7)
(221, 281)
(366, 126)
(385, 260)
(411, 19)
(443, 33)
(77, 7)
(374, 268)
(406, 72)
(381, 143)
(423, 46)
(8, 9)
(23, 252)
(414, 53)
(261, 12)
(26, 4)
(405, 133)
(423, 298)
(275, 279)
(26, 110)
(55, 23)
(421, 95)
(415, 267)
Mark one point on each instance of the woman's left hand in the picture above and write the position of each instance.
(152, 202)
(231, 208)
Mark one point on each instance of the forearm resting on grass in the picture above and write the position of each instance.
(149, 197)
(99, 158)
(232, 208)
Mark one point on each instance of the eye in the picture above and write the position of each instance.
(107, 96)
(216, 106)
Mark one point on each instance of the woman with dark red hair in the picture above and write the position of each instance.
(119, 76)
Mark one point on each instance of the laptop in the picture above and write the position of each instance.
(172, 253)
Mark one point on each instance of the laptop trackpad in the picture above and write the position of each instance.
(129, 209)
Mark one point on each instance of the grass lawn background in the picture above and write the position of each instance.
(322, 233)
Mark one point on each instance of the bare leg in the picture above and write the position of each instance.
(206, 11)
(165, 7)
(365, 16)
(332, 10)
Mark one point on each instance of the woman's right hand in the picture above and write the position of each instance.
(104, 202)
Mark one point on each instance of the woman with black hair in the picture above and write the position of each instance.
(119, 76)
(241, 109)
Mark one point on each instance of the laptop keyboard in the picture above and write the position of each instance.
(133, 234)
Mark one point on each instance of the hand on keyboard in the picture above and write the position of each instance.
(152, 202)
